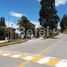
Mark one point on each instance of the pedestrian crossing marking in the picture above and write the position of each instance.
(28, 58)
(36, 58)
(44, 60)
(16, 56)
(51, 61)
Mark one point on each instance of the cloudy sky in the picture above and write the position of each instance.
(12, 10)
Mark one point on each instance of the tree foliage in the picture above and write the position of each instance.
(24, 22)
(48, 13)
(2, 28)
(63, 23)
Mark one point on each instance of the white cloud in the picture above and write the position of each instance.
(11, 24)
(59, 2)
(36, 24)
(16, 14)
(39, 0)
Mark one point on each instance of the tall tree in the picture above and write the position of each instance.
(63, 23)
(24, 22)
(2, 28)
(48, 13)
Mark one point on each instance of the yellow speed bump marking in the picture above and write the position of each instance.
(53, 62)
(40, 53)
(35, 59)
(23, 64)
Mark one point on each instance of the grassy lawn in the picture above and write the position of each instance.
(18, 41)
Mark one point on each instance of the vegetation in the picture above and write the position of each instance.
(48, 15)
(48, 18)
(17, 41)
(63, 23)
(2, 28)
(24, 22)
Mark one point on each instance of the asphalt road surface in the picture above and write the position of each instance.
(36, 53)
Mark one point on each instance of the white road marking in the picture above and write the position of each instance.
(28, 58)
(44, 60)
(5, 54)
(62, 63)
(16, 56)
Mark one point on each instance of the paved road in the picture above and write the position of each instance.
(36, 53)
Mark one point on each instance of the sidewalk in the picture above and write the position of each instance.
(2, 41)
(59, 36)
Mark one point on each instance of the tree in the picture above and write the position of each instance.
(24, 22)
(48, 15)
(2, 28)
(63, 23)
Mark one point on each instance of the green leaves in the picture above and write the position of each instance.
(2, 28)
(63, 23)
(48, 14)
(24, 22)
